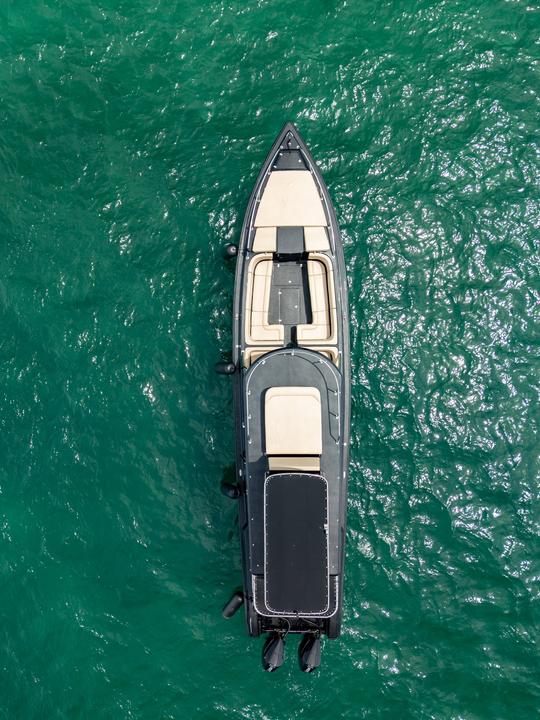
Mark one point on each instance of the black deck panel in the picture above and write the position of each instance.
(290, 240)
(296, 543)
(289, 160)
(289, 296)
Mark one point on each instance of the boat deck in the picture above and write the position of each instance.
(290, 346)
(292, 367)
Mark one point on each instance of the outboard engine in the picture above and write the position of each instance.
(309, 652)
(273, 652)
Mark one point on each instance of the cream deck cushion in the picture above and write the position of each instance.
(292, 419)
(265, 240)
(290, 198)
(310, 463)
(323, 302)
(316, 238)
(257, 329)
(252, 354)
(331, 353)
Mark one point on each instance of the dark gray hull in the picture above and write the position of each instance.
(320, 367)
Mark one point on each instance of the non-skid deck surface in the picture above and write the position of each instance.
(296, 546)
(293, 367)
(289, 296)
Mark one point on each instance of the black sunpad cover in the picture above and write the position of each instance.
(296, 546)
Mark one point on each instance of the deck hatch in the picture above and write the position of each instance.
(296, 543)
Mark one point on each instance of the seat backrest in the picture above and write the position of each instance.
(303, 463)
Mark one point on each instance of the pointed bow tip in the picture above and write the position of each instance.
(289, 127)
(289, 137)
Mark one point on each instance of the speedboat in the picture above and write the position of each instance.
(290, 366)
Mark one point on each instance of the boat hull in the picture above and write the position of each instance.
(279, 353)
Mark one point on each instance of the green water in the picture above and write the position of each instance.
(131, 134)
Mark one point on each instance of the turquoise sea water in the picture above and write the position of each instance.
(131, 134)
